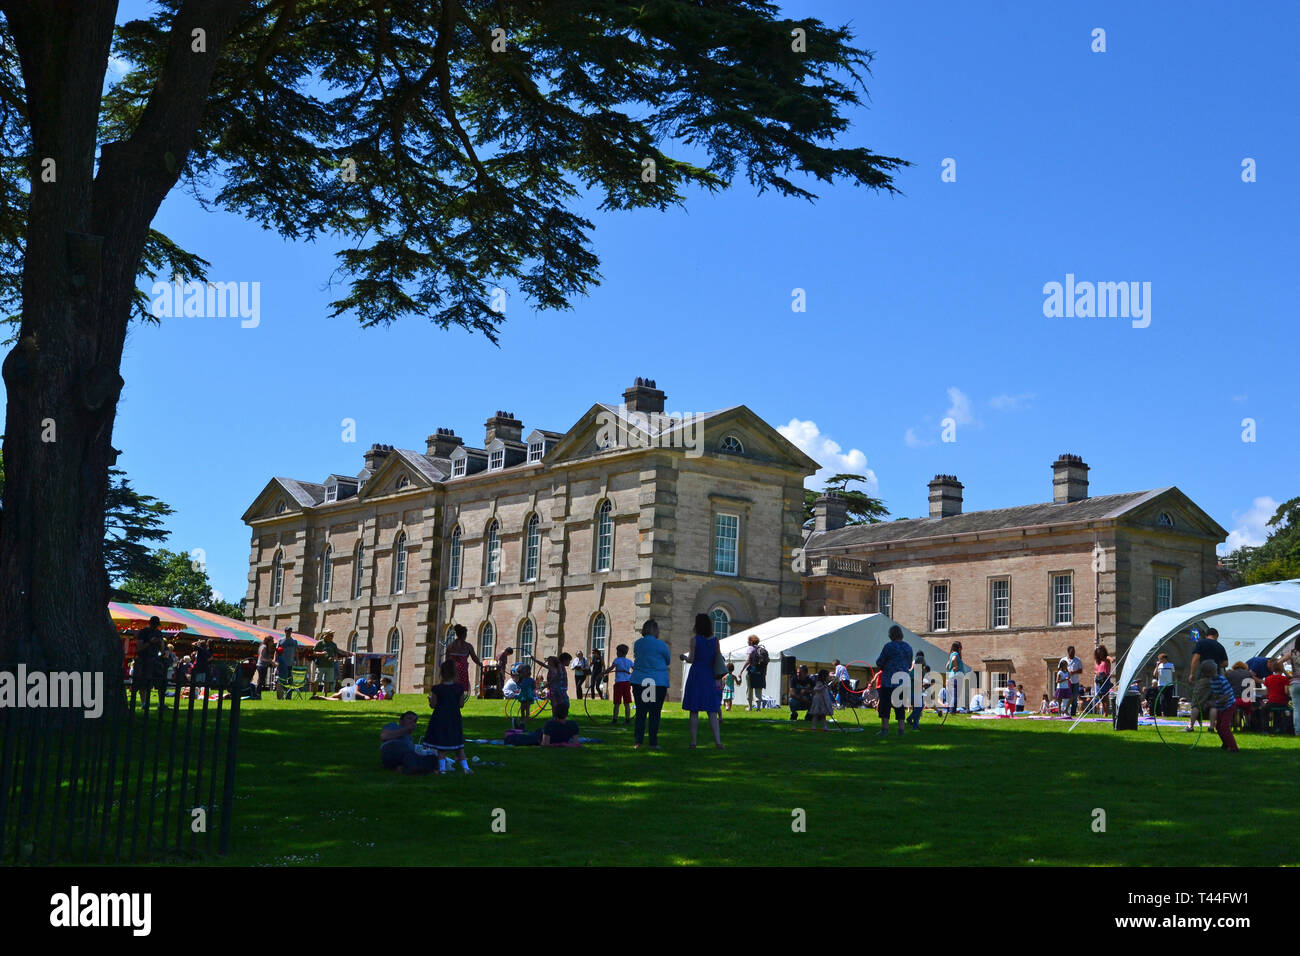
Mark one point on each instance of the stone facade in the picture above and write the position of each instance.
(429, 522)
(1018, 585)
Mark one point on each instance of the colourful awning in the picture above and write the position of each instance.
(179, 620)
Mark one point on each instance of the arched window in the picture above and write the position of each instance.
(326, 573)
(1166, 520)
(492, 572)
(532, 548)
(526, 640)
(357, 564)
(395, 641)
(352, 643)
(399, 564)
(721, 622)
(730, 445)
(403, 482)
(277, 579)
(280, 507)
(599, 633)
(604, 536)
(453, 561)
(449, 635)
(487, 641)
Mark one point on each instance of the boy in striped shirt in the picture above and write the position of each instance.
(1223, 700)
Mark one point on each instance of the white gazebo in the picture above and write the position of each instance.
(849, 638)
(1255, 621)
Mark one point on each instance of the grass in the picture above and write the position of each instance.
(973, 792)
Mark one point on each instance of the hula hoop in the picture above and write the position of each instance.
(1156, 720)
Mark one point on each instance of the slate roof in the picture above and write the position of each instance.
(422, 463)
(306, 493)
(997, 519)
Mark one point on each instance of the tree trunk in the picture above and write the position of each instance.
(86, 232)
(61, 377)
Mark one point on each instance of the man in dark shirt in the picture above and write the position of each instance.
(800, 692)
(560, 731)
(150, 662)
(397, 750)
(1208, 648)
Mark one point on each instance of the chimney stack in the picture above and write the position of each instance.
(644, 397)
(945, 496)
(830, 512)
(376, 455)
(442, 443)
(502, 425)
(1069, 479)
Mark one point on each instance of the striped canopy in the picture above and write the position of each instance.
(179, 620)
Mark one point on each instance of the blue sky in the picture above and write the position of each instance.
(1115, 166)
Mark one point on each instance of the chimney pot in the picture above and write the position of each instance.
(945, 496)
(502, 425)
(643, 396)
(1069, 479)
(830, 512)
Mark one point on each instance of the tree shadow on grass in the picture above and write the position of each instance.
(968, 793)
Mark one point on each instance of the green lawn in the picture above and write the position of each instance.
(310, 791)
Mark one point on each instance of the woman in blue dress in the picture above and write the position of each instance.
(701, 692)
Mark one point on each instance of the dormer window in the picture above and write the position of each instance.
(332, 491)
(730, 445)
(536, 450)
(458, 467)
(497, 459)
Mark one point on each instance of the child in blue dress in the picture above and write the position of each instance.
(446, 732)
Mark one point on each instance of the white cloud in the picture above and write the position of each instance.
(808, 438)
(1251, 527)
(1011, 403)
(913, 440)
(959, 407)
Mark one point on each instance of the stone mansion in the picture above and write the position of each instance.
(545, 541)
(1018, 585)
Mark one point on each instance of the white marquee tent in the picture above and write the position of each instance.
(1255, 621)
(819, 640)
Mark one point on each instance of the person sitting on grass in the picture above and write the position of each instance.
(510, 691)
(1043, 708)
(1278, 685)
(348, 692)
(559, 731)
(799, 693)
(821, 704)
(397, 750)
(386, 689)
(446, 732)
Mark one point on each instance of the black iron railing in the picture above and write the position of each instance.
(139, 782)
